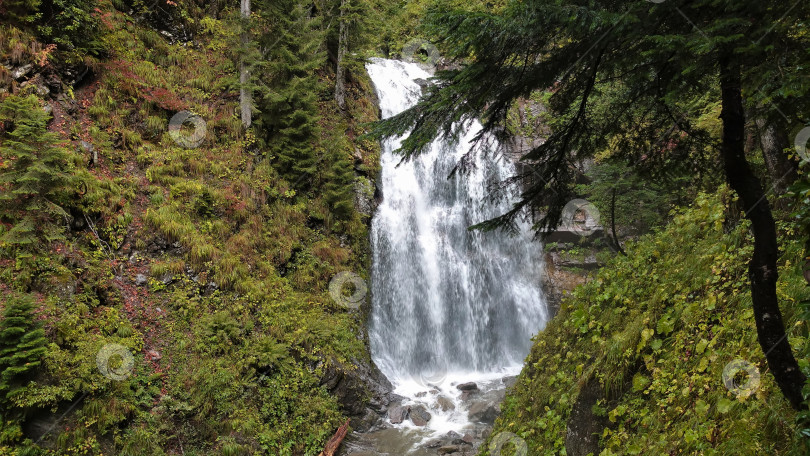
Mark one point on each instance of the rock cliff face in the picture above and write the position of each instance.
(570, 256)
(363, 392)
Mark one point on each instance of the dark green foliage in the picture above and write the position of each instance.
(339, 187)
(639, 205)
(73, 25)
(20, 10)
(22, 344)
(287, 87)
(800, 192)
(35, 175)
(628, 78)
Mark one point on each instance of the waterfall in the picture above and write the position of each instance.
(448, 304)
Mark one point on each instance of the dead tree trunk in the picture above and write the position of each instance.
(245, 97)
(343, 43)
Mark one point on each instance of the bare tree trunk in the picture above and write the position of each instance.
(762, 270)
(340, 72)
(245, 97)
(774, 142)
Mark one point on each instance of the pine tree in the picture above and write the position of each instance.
(34, 174)
(22, 344)
(288, 88)
(339, 186)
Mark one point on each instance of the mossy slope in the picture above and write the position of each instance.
(653, 332)
(233, 327)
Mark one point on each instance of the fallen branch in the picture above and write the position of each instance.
(101, 242)
(333, 443)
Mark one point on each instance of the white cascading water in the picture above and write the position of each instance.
(448, 305)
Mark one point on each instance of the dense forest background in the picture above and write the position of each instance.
(165, 254)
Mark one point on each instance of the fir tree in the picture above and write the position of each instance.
(338, 188)
(22, 344)
(288, 88)
(34, 174)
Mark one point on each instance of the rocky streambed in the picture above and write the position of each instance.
(445, 418)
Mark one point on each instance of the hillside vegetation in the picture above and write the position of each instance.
(181, 184)
(167, 292)
(637, 355)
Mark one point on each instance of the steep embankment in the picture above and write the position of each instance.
(185, 300)
(640, 360)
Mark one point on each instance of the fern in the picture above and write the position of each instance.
(22, 344)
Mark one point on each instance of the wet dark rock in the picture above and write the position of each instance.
(397, 414)
(369, 420)
(54, 83)
(423, 84)
(584, 428)
(449, 449)
(471, 386)
(362, 391)
(419, 415)
(38, 86)
(445, 404)
(43, 425)
(71, 107)
(484, 411)
(20, 72)
(436, 443)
